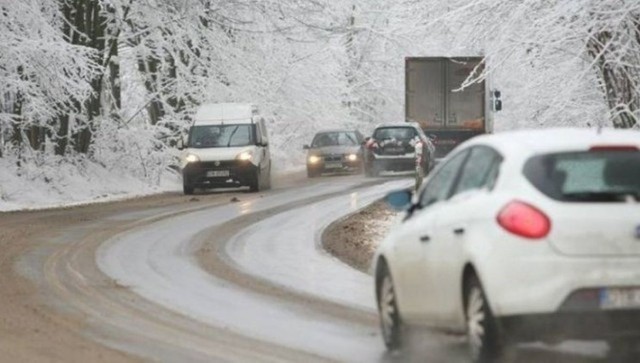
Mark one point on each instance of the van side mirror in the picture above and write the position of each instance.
(305, 147)
(180, 144)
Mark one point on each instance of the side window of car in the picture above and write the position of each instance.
(480, 169)
(439, 186)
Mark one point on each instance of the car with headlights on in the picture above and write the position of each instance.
(228, 146)
(520, 236)
(334, 151)
(398, 147)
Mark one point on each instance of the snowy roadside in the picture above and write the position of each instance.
(355, 238)
(64, 185)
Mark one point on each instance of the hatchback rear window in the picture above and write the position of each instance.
(398, 133)
(589, 176)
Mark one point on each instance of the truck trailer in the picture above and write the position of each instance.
(434, 99)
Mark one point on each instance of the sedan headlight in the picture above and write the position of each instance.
(352, 157)
(192, 158)
(245, 155)
(313, 159)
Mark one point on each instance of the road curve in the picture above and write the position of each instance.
(219, 277)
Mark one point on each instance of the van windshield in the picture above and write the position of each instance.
(205, 136)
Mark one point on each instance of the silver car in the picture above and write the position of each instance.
(335, 151)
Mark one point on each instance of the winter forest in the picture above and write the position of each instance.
(95, 93)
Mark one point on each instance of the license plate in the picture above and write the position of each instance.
(217, 173)
(620, 298)
(394, 150)
(333, 165)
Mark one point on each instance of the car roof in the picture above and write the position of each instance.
(398, 124)
(550, 140)
(336, 130)
(218, 113)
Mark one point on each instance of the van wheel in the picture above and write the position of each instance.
(255, 183)
(267, 182)
(187, 189)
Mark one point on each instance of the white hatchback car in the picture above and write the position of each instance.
(520, 236)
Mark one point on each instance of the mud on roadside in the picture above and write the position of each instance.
(355, 238)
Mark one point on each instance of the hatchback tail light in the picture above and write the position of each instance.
(524, 220)
(371, 144)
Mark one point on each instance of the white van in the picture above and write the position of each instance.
(228, 146)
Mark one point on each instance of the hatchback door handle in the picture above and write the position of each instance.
(458, 231)
(425, 238)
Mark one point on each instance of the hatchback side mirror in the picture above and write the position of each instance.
(399, 200)
(180, 144)
(305, 147)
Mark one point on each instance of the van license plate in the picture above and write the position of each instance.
(620, 298)
(217, 173)
(333, 165)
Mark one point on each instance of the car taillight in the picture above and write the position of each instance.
(524, 220)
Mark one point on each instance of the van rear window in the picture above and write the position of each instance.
(204, 136)
(589, 176)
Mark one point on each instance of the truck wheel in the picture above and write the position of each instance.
(187, 189)
(254, 186)
(482, 330)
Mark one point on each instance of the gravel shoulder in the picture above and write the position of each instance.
(355, 238)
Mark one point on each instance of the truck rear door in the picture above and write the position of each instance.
(425, 81)
(465, 109)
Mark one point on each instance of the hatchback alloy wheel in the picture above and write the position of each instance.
(482, 332)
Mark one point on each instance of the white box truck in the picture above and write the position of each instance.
(448, 116)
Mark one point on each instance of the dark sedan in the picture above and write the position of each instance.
(335, 151)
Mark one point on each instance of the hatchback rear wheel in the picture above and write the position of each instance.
(482, 330)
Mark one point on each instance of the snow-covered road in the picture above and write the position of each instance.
(227, 277)
(157, 262)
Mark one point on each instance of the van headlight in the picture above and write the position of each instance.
(192, 158)
(352, 157)
(313, 159)
(245, 155)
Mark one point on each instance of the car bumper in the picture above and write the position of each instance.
(339, 166)
(543, 281)
(231, 173)
(572, 325)
(390, 163)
